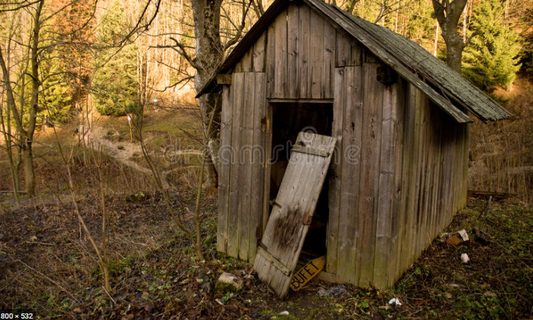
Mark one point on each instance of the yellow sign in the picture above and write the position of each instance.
(307, 272)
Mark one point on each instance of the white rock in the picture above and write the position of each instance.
(228, 282)
(465, 258)
(284, 313)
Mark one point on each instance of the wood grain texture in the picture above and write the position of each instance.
(225, 169)
(328, 60)
(316, 55)
(382, 255)
(235, 204)
(258, 163)
(280, 52)
(351, 175)
(334, 198)
(293, 43)
(369, 181)
(403, 185)
(398, 215)
(246, 130)
(298, 196)
(259, 54)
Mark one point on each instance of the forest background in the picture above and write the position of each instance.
(66, 61)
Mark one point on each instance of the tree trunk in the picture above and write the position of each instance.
(209, 54)
(29, 173)
(454, 51)
(448, 15)
(27, 136)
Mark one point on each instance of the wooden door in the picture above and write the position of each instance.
(278, 251)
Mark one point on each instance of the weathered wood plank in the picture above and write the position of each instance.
(386, 190)
(408, 174)
(414, 188)
(297, 199)
(304, 34)
(466, 144)
(258, 165)
(270, 59)
(245, 158)
(424, 141)
(343, 49)
(351, 174)
(235, 209)
(328, 68)
(349, 50)
(316, 55)
(267, 166)
(398, 210)
(293, 19)
(332, 234)
(370, 152)
(225, 169)
(246, 61)
(437, 125)
(259, 54)
(286, 195)
(312, 151)
(280, 51)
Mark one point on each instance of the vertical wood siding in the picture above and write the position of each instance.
(241, 179)
(399, 169)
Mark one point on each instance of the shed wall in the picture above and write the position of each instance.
(397, 176)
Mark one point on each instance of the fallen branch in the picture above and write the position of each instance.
(50, 280)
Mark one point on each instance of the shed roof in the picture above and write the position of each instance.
(439, 82)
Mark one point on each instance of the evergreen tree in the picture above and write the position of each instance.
(492, 57)
(421, 24)
(115, 83)
(56, 97)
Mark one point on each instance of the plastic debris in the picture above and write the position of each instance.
(323, 292)
(333, 291)
(395, 301)
(465, 258)
(284, 313)
(463, 234)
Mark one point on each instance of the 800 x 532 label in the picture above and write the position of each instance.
(6, 314)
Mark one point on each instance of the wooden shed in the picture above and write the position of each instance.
(398, 171)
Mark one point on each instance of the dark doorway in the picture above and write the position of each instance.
(289, 119)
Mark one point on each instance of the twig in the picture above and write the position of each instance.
(487, 209)
(110, 297)
(43, 243)
(50, 280)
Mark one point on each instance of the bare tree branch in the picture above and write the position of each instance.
(18, 5)
(146, 25)
(237, 37)
(180, 48)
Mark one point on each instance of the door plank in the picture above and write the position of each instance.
(297, 199)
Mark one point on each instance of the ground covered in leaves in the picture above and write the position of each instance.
(48, 266)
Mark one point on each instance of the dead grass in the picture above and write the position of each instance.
(502, 152)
